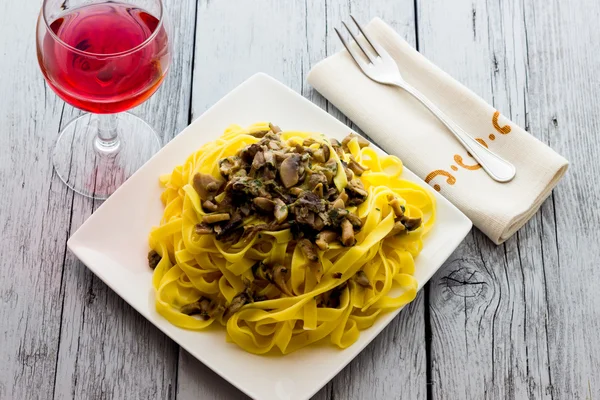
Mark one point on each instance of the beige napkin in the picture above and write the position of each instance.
(402, 126)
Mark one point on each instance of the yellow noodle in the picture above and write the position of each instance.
(193, 266)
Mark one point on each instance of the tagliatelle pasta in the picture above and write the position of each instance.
(195, 267)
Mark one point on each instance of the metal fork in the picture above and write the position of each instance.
(382, 68)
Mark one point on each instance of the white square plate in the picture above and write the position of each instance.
(113, 244)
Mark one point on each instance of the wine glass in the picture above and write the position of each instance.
(103, 57)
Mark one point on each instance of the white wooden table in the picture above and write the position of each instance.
(515, 321)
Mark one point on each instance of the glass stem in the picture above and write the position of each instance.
(107, 140)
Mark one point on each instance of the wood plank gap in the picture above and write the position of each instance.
(62, 280)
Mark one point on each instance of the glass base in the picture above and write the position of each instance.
(93, 169)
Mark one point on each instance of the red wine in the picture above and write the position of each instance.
(107, 67)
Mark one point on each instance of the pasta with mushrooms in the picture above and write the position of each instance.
(287, 238)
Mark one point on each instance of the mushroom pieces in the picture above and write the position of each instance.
(361, 279)
(274, 128)
(153, 259)
(308, 249)
(214, 218)
(203, 229)
(264, 204)
(362, 142)
(347, 233)
(356, 167)
(411, 224)
(206, 185)
(204, 307)
(230, 165)
(356, 192)
(279, 279)
(280, 210)
(236, 304)
(289, 171)
(324, 238)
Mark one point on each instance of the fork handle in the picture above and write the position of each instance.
(496, 167)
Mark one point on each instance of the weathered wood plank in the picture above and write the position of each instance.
(33, 221)
(107, 350)
(563, 108)
(299, 34)
(509, 321)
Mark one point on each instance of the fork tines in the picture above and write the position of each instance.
(367, 53)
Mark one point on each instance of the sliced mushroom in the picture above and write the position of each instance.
(361, 278)
(324, 238)
(344, 196)
(354, 220)
(279, 279)
(411, 223)
(356, 192)
(274, 128)
(203, 229)
(269, 157)
(308, 250)
(362, 142)
(204, 307)
(318, 190)
(338, 203)
(318, 223)
(210, 206)
(280, 211)
(397, 229)
(258, 161)
(289, 171)
(334, 142)
(247, 153)
(227, 233)
(315, 179)
(397, 207)
(337, 146)
(308, 141)
(214, 218)
(321, 154)
(347, 233)
(310, 201)
(206, 185)
(264, 204)
(348, 171)
(356, 168)
(153, 259)
(258, 134)
(247, 186)
(337, 215)
(252, 230)
(296, 191)
(236, 304)
(331, 299)
(230, 165)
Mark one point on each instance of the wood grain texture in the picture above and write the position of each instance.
(33, 221)
(511, 322)
(64, 333)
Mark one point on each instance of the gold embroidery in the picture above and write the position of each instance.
(482, 142)
(459, 160)
(450, 181)
(502, 129)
